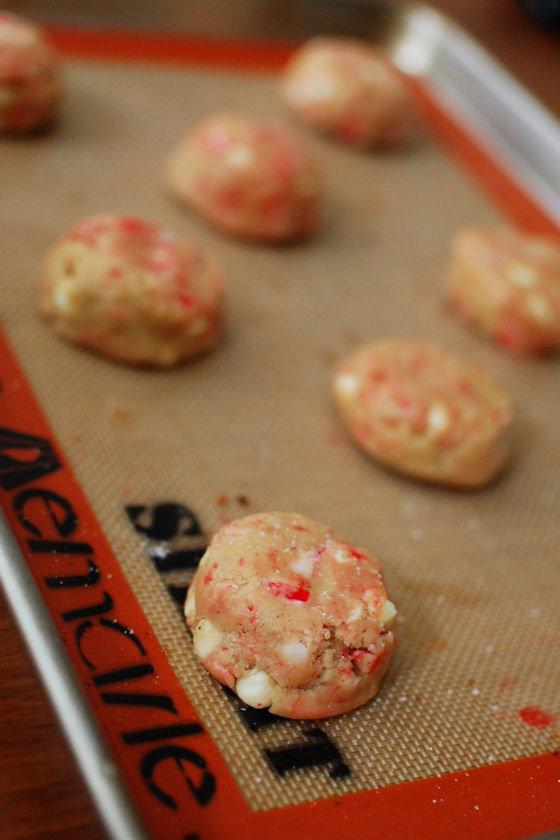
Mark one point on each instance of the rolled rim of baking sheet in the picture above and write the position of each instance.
(101, 773)
(508, 122)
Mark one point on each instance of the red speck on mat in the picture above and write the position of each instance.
(534, 716)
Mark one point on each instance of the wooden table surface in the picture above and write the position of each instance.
(42, 795)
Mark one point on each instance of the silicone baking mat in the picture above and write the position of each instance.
(114, 480)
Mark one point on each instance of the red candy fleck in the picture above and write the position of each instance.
(357, 555)
(229, 198)
(534, 716)
(186, 300)
(134, 227)
(368, 661)
(373, 665)
(286, 590)
(378, 376)
(353, 129)
(215, 141)
(89, 230)
(284, 164)
(516, 337)
(464, 387)
(362, 432)
(406, 403)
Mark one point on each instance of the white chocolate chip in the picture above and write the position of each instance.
(438, 418)
(387, 614)
(206, 638)
(316, 88)
(346, 385)
(17, 36)
(255, 688)
(294, 652)
(342, 556)
(190, 605)
(356, 613)
(540, 309)
(523, 275)
(239, 156)
(61, 297)
(304, 565)
(371, 600)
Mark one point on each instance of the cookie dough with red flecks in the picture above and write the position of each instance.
(419, 410)
(507, 284)
(291, 617)
(29, 76)
(132, 290)
(249, 178)
(342, 87)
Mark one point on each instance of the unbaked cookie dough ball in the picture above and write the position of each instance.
(507, 284)
(291, 617)
(342, 87)
(29, 76)
(132, 290)
(420, 411)
(249, 178)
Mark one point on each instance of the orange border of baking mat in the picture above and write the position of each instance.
(180, 783)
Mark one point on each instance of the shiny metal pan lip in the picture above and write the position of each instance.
(504, 119)
(99, 770)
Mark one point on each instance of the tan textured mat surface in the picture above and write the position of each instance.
(251, 427)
